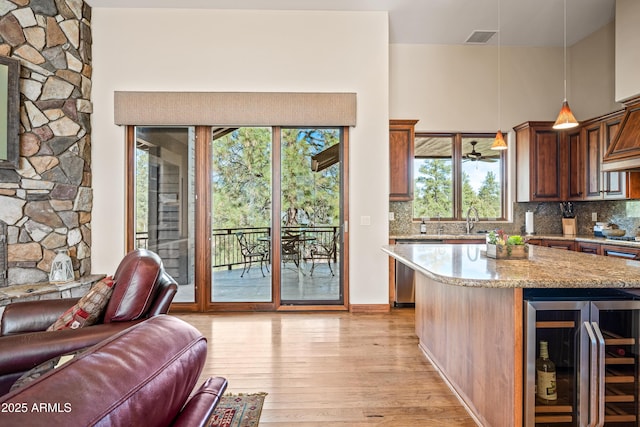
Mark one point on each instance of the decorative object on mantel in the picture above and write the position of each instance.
(61, 268)
(503, 246)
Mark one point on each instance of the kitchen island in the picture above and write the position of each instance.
(470, 320)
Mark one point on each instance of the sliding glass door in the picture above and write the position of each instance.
(310, 216)
(244, 218)
(164, 203)
(241, 216)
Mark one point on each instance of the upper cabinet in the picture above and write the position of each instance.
(401, 139)
(541, 156)
(567, 165)
(598, 134)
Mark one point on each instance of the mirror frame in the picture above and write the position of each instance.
(13, 113)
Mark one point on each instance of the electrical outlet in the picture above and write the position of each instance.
(365, 220)
(594, 216)
(392, 216)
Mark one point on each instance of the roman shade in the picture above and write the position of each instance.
(235, 108)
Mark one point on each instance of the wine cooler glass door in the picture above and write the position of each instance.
(557, 354)
(617, 325)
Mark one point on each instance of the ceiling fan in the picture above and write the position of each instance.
(476, 155)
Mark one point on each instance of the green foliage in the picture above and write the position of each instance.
(433, 192)
(241, 178)
(142, 190)
(433, 189)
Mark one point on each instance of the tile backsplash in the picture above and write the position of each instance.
(547, 218)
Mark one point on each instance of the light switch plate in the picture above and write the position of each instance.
(594, 216)
(365, 220)
(392, 216)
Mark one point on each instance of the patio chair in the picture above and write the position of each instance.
(290, 248)
(324, 251)
(251, 253)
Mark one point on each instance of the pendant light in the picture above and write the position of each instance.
(498, 142)
(566, 119)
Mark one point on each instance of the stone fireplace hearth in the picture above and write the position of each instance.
(46, 203)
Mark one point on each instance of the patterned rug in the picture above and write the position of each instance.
(241, 410)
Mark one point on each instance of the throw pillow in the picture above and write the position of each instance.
(88, 309)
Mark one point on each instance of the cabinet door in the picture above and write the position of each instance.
(575, 153)
(593, 158)
(589, 248)
(560, 324)
(401, 139)
(614, 183)
(546, 173)
(568, 245)
(616, 326)
(621, 252)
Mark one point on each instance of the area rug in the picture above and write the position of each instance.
(242, 410)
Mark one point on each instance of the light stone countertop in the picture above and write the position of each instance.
(467, 265)
(473, 236)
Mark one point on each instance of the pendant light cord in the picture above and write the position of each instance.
(565, 50)
(499, 67)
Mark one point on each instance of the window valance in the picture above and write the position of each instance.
(235, 108)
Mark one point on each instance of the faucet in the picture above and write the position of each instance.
(471, 222)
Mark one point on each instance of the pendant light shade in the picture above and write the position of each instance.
(499, 143)
(566, 119)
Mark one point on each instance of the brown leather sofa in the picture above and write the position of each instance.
(142, 289)
(142, 376)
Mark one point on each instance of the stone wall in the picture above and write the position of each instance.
(47, 201)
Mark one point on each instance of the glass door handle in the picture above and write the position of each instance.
(593, 375)
(601, 348)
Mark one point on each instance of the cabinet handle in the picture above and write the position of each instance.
(596, 329)
(593, 375)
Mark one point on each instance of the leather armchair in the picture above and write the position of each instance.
(142, 376)
(142, 289)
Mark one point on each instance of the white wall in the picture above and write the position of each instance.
(455, 88)
(206, 50)
(592, 76)
(627, 51)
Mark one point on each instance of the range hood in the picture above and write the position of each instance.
(624, 152)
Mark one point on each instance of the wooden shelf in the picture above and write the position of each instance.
(554, 419)
(555, 324)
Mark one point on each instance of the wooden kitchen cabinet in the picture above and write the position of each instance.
(597, 134)
(625, 252)
(401, 140)
(541, 159)
(568, 245)
(589, 248)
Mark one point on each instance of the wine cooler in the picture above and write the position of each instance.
(590, 360)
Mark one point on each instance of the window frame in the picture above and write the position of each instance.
(456, 173)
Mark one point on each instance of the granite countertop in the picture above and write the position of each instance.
(473, 236)
(467, 265)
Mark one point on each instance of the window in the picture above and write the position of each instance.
(455, 171)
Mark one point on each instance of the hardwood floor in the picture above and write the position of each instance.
(329, 369)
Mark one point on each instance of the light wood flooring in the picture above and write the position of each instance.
(329, 369)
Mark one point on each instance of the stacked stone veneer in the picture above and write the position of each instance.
(46, 202)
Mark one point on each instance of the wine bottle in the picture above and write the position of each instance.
(546, 376)
(423, 227)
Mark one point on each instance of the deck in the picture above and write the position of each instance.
(228, 286)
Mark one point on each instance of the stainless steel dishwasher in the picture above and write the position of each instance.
(405, 276)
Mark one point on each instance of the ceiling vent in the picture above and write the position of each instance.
(480, 37)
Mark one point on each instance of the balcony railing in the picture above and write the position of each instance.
(226, 249)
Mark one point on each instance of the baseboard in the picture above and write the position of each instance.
(462, 398)
(369, 308)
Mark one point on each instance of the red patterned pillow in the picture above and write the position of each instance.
(88, 309)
